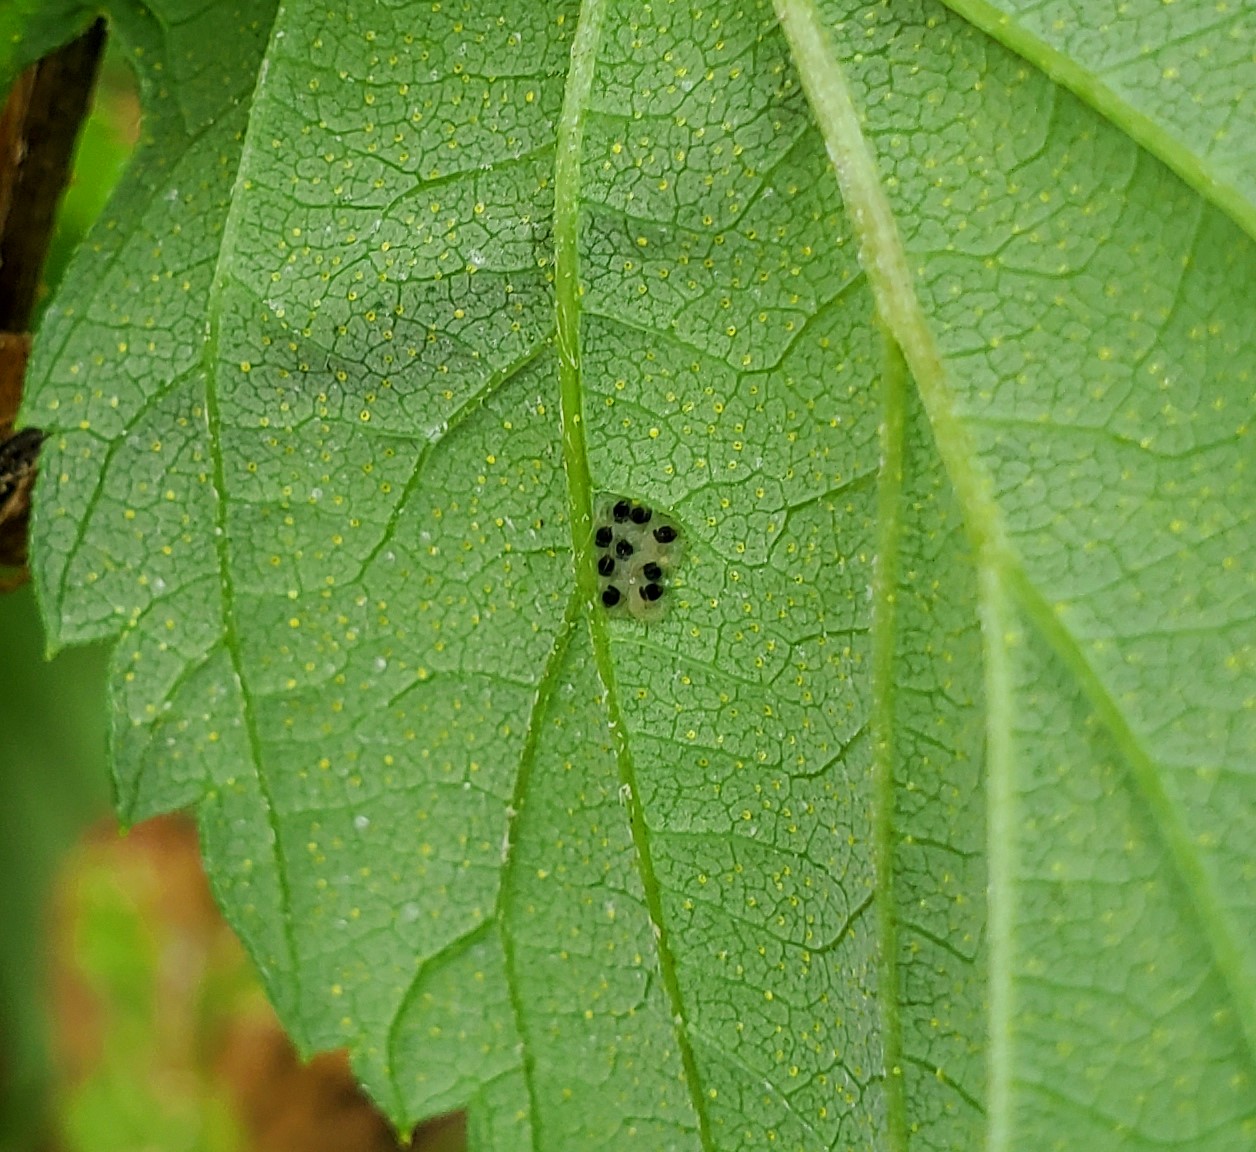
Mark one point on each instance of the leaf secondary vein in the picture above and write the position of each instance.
(222, 548)
(1212, 184)
(954, 1085)
(567, 191)
(231, 635)
(540, 706)
(426, 968)
(494, 383)
(112, 448)
(884, 638)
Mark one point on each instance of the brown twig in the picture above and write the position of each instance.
(39, 126)
(38, 131)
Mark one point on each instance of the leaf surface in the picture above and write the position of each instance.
(901, 827)
(1177, 79)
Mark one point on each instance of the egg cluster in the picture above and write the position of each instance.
(636, 549)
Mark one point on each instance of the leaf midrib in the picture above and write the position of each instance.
(567, 200)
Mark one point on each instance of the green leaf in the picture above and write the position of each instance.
(1176, 79)
(923, 816)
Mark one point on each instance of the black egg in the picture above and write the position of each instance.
(623, 549)
(664, 533)
(621, 511)
(606, 565)
(651, 592)
(652, 571)
(640, 514)
(610, 597)
(602, 537)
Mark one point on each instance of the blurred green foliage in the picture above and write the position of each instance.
(52, 782)
(146, 1087)
(53, 776)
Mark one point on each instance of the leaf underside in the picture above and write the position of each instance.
(924, 816)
